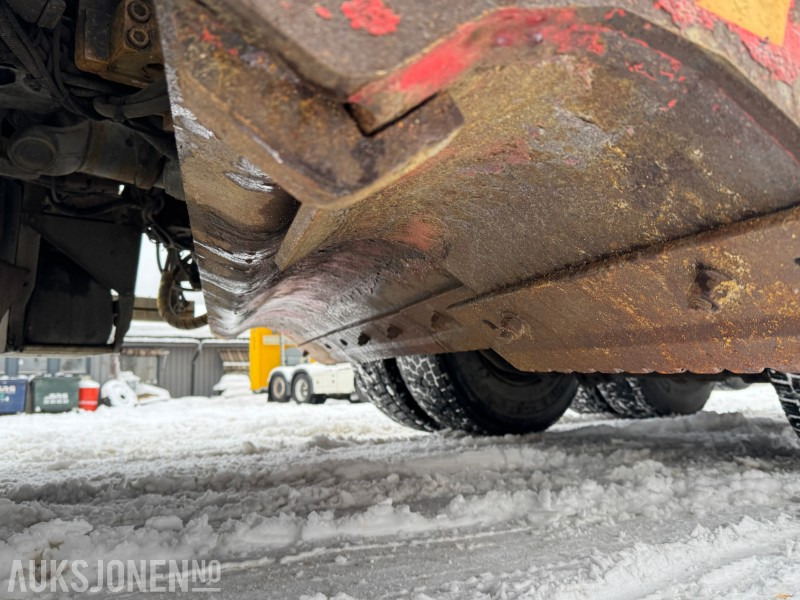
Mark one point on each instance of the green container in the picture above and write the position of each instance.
(54, 394)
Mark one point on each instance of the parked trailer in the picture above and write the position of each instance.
(497, 210)
(311, 383)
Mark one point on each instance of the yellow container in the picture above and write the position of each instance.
(266, 353)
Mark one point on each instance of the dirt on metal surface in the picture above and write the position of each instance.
(451, 165)
(680, 306)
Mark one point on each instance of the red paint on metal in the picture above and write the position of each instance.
(210, 38)
(670, 70)
(323, 12)
(577, 36)
(670, 105)
(442, 65)
(783, 62)
(640, 69)
(506, 27)
(371, 15)
(686, 12)
(215, 40)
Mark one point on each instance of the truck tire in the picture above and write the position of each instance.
(588, 400)
(381, 383)
(303, 390)
(645, 397)
(279, 389)
(479, 392)
(787, 386)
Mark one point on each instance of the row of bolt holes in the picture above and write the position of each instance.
(511, 327)
(392, 332)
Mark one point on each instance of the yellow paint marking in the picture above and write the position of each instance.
(764, 18)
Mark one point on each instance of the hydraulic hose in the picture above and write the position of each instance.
(166, 308)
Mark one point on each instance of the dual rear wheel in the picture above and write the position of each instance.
(299, 388)
(643, 396)
(480, 392)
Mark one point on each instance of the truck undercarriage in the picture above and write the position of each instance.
(584, 187)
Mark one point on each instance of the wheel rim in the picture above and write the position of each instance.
(301, 390)
(279, 388)
(499, 392)
(503, 370)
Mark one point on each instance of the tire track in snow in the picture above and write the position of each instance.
(554, 515)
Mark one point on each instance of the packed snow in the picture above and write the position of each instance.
(337, 502)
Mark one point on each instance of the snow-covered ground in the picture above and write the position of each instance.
(336, 501)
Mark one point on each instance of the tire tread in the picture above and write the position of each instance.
(787, 386)
(433, 389)
(589, 400)
(380, 381)
(626, 398)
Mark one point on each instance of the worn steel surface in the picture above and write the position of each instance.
(302, 137)
(725, 297)
(386, 57)
(446, 153)
(729, 293)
